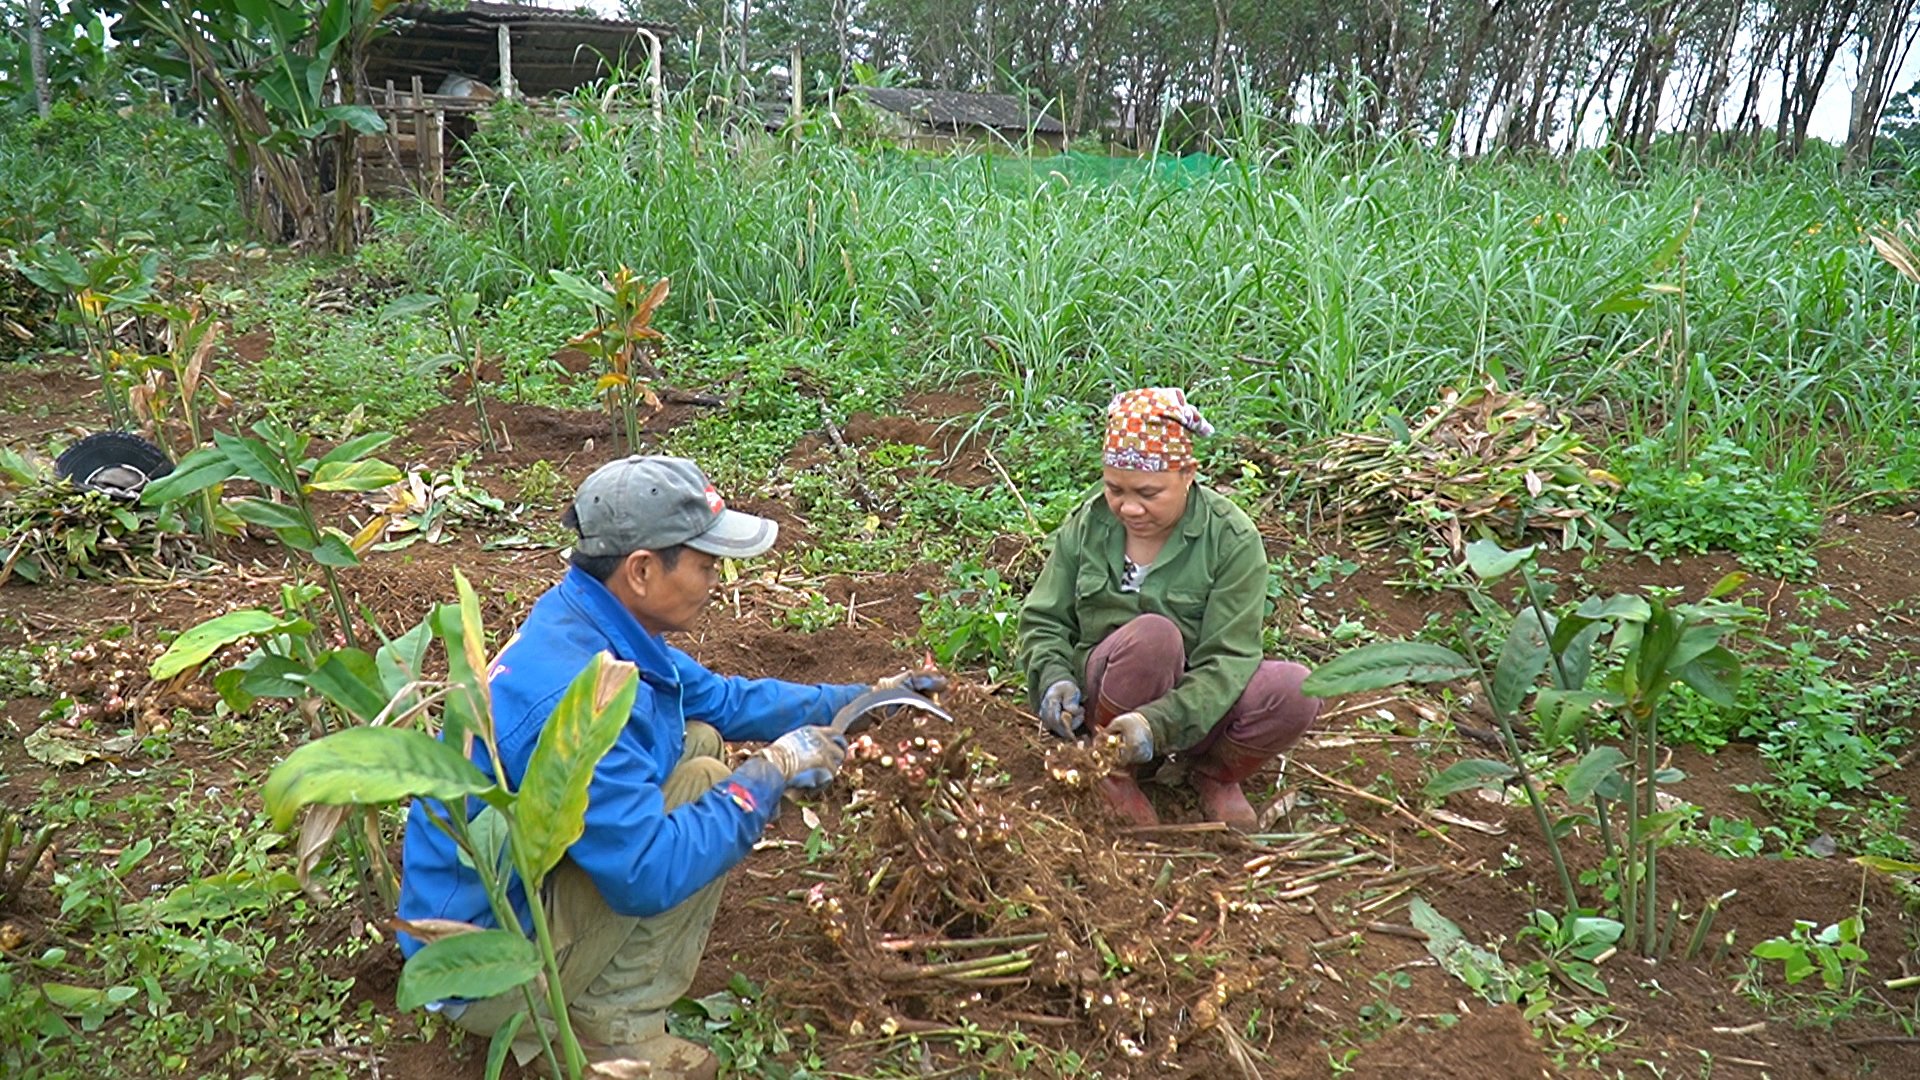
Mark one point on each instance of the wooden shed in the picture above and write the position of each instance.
(434, 65)
(950, 119)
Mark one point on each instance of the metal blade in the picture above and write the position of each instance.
(857, 715)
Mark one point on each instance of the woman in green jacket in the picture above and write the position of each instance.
(1149, 608)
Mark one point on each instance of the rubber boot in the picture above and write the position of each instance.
(1217, 778)
(1121, 787)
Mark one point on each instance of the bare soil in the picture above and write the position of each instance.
(1151, 954)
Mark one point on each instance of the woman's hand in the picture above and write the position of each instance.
(1061, 712)
(1134, 736)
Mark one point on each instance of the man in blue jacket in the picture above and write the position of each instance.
(631, 906)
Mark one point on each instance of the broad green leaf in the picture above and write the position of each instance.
(369, 766)
(350, 679)
(592, 295)
(550, 813)
(488, 832)
(195, 473)
(1727, 584)
(356, 448)
(1592, 771)
(475, 966)
(360, 118)
(197, 645)
(334, 550)
(1523, 657)
(367, 474)
(409, 306)
(279, 517)
(1621, 608)
(1576, 655)
(1387, 663)
(400, 661)
(270, 676)
(256, 461)
(1466, 775)
(1714, 675)
(1658, 825)
(1480, 969)
(1490, 562)
(1696, 639)
(71, 1000)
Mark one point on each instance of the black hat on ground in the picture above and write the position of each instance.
(115, 463)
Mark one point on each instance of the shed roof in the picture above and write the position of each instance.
(553, 50)
(954, 109)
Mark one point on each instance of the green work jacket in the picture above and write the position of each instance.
(1210, 579)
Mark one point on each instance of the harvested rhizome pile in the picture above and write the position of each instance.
(969, 880)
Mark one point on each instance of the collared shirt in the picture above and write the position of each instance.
(642, 858)
(1210, 579)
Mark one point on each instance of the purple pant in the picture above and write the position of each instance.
(1141, 662)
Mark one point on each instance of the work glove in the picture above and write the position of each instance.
(808, 757)
(1061, 710)
(1136, 738)
(920, 682)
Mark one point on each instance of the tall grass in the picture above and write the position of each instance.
(1301, 287)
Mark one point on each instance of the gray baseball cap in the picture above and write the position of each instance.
(648, 502)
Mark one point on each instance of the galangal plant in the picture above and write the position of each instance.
(110, 281)
(275, 457)
(623, 340)
(172, 394)
(1651, 644)
(503, 832)
(463, 354)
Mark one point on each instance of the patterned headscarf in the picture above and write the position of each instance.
(1152, 430)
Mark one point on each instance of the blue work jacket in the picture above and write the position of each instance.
(643, 858)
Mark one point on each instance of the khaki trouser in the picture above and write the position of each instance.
(619, 974)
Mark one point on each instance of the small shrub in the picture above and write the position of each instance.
(972, 623)
(1725, 501)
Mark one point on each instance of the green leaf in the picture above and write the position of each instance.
(501, 1043)
(1714, 675)
(488, 831)
(411, 305)
(589, 294)
(1523, 657)
(1592, 770)
(475, 966)
(270, 676)
(358, 117)
(1727, 584)
(1621, 608)
(550, 812)
(257, 461)
(1576, 655)
(279, 517)
(333, 550)
(197, 645)
(1886, 865)
(1384, 664)
(195, 473)
(369, 766)
(364, 475)
(400, 661)
(350, 679)
(1490, 562)
(1466, 775)
(357, 448)
(221, 896)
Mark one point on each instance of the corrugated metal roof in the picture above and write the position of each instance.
(954, 109)
(554, 50)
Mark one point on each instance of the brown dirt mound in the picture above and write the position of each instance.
(1486, 1044)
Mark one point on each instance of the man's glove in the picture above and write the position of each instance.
(1136, 738)
(1061, 711)
(920, 682)
(809, 756)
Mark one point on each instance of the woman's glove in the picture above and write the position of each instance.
(1061, 712)
(1136, 738)
(809, 756)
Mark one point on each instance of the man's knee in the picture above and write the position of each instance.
(692, 778)
(703, 741)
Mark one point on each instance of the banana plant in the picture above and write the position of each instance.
(275, 457)
(503, 832)
(1653, 645)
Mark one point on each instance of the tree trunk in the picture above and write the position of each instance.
(37, 59)
(1216, 64)
(1885, 38)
